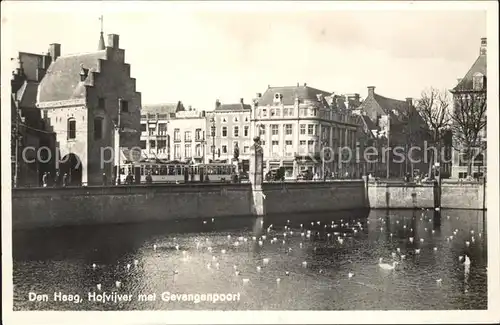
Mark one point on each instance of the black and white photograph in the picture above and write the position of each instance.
(244, 162)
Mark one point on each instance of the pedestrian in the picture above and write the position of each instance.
(44, 179)
(57, 179)
(130, 178)
(149, 179)
(65, 180)
(104, 179)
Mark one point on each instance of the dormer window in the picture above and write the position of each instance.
(278, 97)
(478, 81)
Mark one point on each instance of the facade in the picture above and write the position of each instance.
(29, 132)
(155, 135)
(297, 123)
(228, 126)
(90, 102)
(187, 136)
(473, 84)
(398, 127)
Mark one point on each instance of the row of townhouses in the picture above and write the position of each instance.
(67, 108)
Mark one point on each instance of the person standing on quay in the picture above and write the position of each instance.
(104, 179)
(44, 179)
(65, 180)
(149, 179)
(57, 179)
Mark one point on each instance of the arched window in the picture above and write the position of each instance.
(478, 81)
(71, 128)
(98, 125)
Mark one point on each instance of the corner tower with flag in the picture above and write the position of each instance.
(87, 99)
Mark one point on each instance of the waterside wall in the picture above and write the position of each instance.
(454, 195)
(53, 207)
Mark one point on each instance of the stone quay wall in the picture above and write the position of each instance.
(73, 206)
(454, 195)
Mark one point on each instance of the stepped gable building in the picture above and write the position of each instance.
(87, 98)
(296, 122)
(398, 124)
(474, 82)
(228, 127)
(29, 129)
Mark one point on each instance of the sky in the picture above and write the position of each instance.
(197, 54)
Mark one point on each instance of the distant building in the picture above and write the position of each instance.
(295, 123)
(231, 126)
(80, 97)
(187, 136)
(30, 134)
(399, 126)
(155, 135)
(474, 81)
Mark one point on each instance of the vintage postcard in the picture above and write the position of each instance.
(235, 162)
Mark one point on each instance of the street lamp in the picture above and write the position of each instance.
(323, 143)
(212, 128)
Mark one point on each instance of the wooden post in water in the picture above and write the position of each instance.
(256, 175)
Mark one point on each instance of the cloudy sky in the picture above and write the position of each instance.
(196, 55)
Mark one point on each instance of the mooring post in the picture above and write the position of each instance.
(256, 175)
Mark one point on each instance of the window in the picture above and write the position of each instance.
(278, 112)
(98, 128)
(198, 150)
(477, 81)
(262, 142)
(177, 135)
(124, 106)
(152, 144)
(236, 131)
(288, 129)
(177, 151)
(302, 146)
(310, 146)
(162, 129)
(302, 129)
(101, 103)
(224, 120)
(151, 131)
(303, 112)
(288, 147)
(142, 144)
(312, 111)
(272, 112)
(275, 146)
(246, 118)
(235, 119)
(264, 112)
(187, 150)
(245, 130)
(262, 130)
(187, 136)
(162, 144)
(310, 129)
(71, 129)
(290, 111)
(198, 134)
(246, 149)
(143, 127)
(285, 111)
(224, 131)
(274, 129)
(224, 149)
(45, 114)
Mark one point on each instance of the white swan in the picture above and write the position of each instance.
(467, 260)
(386, 266)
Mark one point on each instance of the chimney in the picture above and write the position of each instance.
(482, 49)
(113, 41)
(217, 103)
(259, 95)
(241, 101)
(409, 101)
(371, 90)
(298, 85)
(55, 51)
(83, 73)
(305, 84)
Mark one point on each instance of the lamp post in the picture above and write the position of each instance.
(323, 174)
(212, 129)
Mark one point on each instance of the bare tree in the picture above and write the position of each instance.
(469, 124)
(433, 108)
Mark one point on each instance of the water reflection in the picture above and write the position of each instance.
(295, 262)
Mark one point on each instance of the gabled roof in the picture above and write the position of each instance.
(370, 125)
(233, 107)
(478, 66)
(62, 80)
(289, 94)
(393, 107)
(163, 108)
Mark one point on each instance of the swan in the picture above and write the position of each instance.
(265, 260)
(467, 243)
(223, 251)
(417, 251)
(411, 239)
(258, 268)
(350, 275)
(246, 280)
(386, 266)
(154, 247)
(467, 260)
(118, 283)
(98, 286)
(398, 249)
(93, 265)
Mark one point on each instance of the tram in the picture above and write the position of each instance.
(177, 172)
